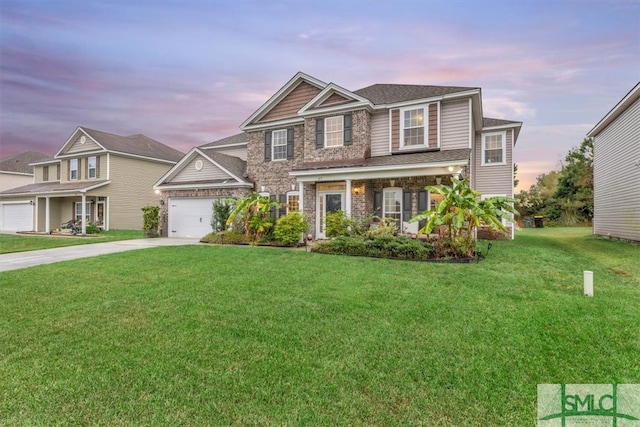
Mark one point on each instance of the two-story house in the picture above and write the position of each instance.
(319, 147)
(94, 177)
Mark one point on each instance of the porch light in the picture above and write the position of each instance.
(450, 168)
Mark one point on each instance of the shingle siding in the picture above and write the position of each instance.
(293, 102)
(617, 177)
(455, 124)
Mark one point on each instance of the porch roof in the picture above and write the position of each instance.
(54, 188)
(443, 162)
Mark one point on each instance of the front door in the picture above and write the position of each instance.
(328, 202)
(100, 214)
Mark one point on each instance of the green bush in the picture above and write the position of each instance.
(337, 224)
(92, 228)
(290, 228)
(383, 246)
(229, 237)
(221, 211)
(151, 220)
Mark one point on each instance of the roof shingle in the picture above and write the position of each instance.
(392, 93)
(139, 145)
(19, 163)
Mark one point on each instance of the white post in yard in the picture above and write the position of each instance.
(588, 283)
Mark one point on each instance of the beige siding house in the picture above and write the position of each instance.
(616, 170)
(318, 147)
(16, 170)
(95, 177)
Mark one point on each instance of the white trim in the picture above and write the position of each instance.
(278, 123)
(44, 162)
(324, 126)
(58, 193)
(108, 165)
(273, 159)
(326, 93)
(373, 172)
(503, 134)
(470, 124)
(391, 129)
(294, 193)
(95, 167)
(394, 190)
(17, 173)
(77, 169)
(71, 139)
(620, 107)
(502, 127)
(213, 147)
(203, 185)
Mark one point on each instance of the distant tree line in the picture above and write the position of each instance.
(563, 197)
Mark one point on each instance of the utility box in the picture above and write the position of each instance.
(528, 222)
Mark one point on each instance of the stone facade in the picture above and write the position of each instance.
(360, 146)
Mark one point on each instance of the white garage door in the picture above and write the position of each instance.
(16, 217)
(189, 217)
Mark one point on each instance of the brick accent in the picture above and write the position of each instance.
(359, 148)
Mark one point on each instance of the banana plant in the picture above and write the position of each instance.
(253, 214)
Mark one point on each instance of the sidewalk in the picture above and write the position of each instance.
(17, 260)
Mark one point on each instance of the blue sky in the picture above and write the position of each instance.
(190, 72)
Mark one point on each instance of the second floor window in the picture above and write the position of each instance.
(279, 144)
(91, 165)
(493, 148)
(73, 169)
(413, 127)
(333, 131)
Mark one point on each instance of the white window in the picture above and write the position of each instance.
(73, 169)
(92, 167)
(392, 204)
(413, 128)
(293, 202)
(494, 148)
(78, 210)
(333, 131)
(279, 144)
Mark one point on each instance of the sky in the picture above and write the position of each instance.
(188, 72)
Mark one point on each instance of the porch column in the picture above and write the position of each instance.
(47, 225)
(84, 213)
(347, 201)
(301, 201)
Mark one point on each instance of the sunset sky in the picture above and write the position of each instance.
(190, 72)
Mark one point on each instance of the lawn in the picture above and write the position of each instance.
(25, 242)
(219, 335)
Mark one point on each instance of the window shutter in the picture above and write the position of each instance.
(68, 170)
(282, 198)
(79, 169)
(319, 133)
(86, 169)
(406, 205)
(347, 129)
(267, 146)
(290, 144)
(377, 203)
(272, 211)
(423, 200)
(58, 172)
(97, 166)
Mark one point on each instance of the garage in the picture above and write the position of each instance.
(190, 217)
(16, 216)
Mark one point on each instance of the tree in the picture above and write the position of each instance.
(575, 186)
(460, 212)
(515, 172)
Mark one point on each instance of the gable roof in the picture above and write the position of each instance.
(393, 93)
(135, 145)
(632, 96)
(20, 163)
(488, 122)
(237, 139)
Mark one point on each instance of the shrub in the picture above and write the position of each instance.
(337, 224)
(229, 237)
(150, 220)
(92, 228)
(221, 211)
(384, 246)
(290, 228)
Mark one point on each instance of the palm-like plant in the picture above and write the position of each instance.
(460, 212)
(254, 215)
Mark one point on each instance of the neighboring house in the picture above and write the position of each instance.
(616, 170)
(95, 177)
(318, 147)
(16, 170)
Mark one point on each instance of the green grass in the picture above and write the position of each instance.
(24, 242)
(219, 335)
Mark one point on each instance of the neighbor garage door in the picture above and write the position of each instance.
(16, 217)
(189, 217)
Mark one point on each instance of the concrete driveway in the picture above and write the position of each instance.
(17, 260)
